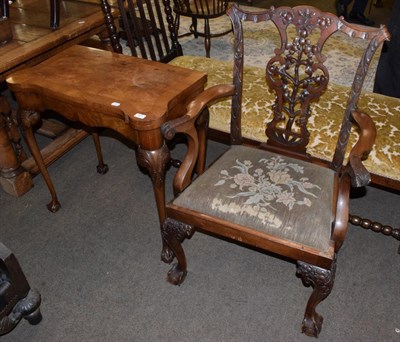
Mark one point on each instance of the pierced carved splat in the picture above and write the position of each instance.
(297, 73)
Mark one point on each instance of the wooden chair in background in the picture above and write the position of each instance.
(144, 28)
(273, 197)
(201, 10)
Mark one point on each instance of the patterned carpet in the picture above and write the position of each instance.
(261, 39)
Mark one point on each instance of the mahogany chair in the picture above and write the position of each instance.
(17, 299)
(272, 197)
(203, 10)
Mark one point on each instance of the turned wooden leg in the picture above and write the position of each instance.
(155, 163)
(54, 14)
(322, 282)
(109, 37)
(207, 37)
(28, 119)
(194, 28)
(173, 233)
(13, 178)
(5, 8)
(375, 226)
(102, 168)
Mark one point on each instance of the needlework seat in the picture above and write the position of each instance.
(273, 195)
(267, 192)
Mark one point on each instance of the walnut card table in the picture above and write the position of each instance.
(99, 88)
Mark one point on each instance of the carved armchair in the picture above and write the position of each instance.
(273, 197)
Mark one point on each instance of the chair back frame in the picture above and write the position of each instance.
(297, 74)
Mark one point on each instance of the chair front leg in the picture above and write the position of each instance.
(28, 119)
(173, 233)
(322, 282)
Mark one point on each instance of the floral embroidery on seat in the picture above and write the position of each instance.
(273, 182)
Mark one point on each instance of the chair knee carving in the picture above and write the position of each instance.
(273, 196)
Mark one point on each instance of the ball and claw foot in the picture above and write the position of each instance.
(175, 275)
(312, 327)
(54, 206)
(102, 169)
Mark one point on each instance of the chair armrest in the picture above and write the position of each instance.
(359, 174)
(354, 173)
(194, 109)
(186, 124)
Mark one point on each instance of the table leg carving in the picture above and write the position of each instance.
(13, 178)
(155, 163)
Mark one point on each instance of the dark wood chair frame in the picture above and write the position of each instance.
(144, 30)
(293, 107)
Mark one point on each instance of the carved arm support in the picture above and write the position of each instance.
(354, 173)
(359, 174)
(186, 125)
